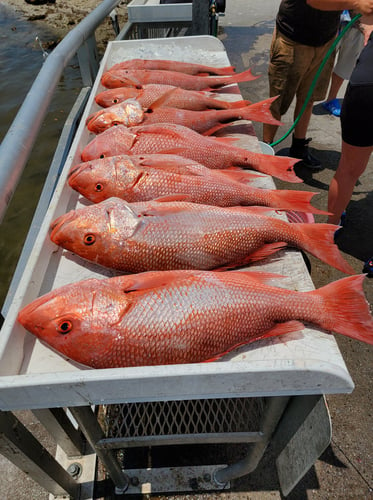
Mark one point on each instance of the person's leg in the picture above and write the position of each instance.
(351, 165)
(335, 84)
(269, 132)
(299, 147)
(300, 130)
(281, 81)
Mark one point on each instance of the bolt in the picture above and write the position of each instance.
(134, 481)
(207, 477)
(74, 470)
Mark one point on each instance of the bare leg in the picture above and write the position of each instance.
(301, 127)
(351, 165)
(300, 131)
(335, 84)
(269, 131)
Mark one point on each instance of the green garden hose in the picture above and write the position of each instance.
(308, 97)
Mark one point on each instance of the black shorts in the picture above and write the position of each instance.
(357, 115)
(357, 107)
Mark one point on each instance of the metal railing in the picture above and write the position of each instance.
(20, 138)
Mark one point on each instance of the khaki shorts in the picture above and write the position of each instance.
(292, 69)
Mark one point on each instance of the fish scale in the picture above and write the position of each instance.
(161, 318)
(161, 235)
(147, 177)
(213, 153)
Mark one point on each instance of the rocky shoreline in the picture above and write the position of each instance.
(61, 16)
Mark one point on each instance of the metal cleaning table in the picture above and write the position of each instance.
(283, 379)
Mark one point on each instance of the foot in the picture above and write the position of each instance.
(300, 150)
(333, 107)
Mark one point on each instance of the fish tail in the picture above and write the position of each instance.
(227, 70)
(235, 104)
(318, 240)
(281, 167)
(346, 310)
(260, 112)
(286, 199)
(245, 76)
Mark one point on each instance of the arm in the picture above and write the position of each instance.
(360, 6)
(367, 26)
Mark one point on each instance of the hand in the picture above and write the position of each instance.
(364, 7)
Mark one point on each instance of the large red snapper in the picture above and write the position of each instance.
(212, 152)
(205, 122)
(146, 177)
(169, 317)
(139, 77)
(168, 65)
(154, 235)
(195, 100)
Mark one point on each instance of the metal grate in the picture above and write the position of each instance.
(221, 419)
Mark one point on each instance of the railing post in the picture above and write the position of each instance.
(88, 61)
(57, 423)
(200, 17)
(19, 446)
(93, 433)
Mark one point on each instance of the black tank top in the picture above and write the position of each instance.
(306, 25)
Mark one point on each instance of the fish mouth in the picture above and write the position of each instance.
(58, 224)
(76, 171)
(27, 314)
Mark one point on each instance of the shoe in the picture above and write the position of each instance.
(299, 149)
(333, 107)
(368, 267)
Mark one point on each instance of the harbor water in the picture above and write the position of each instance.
(22, 53)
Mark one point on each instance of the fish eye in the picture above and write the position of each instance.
(89, 239)
(65, 326)
(115, 101)
(99, 187)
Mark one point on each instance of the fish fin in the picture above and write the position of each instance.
(226, 140)
(260, 254)
(260, 112)
(318, 240)
(173, 197)
(172, 163)
(283, 328)
(238, 174)
(158, 103)
(238, 104)
(286, 199)
(345, 308)
(261, 276)
(281, 167)
(215, 128)
(150, 279)
(158, 129)
(254, 209)
(153, 209)
(244, 76)
(172, 151)
(226, 70)
(277, 330)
